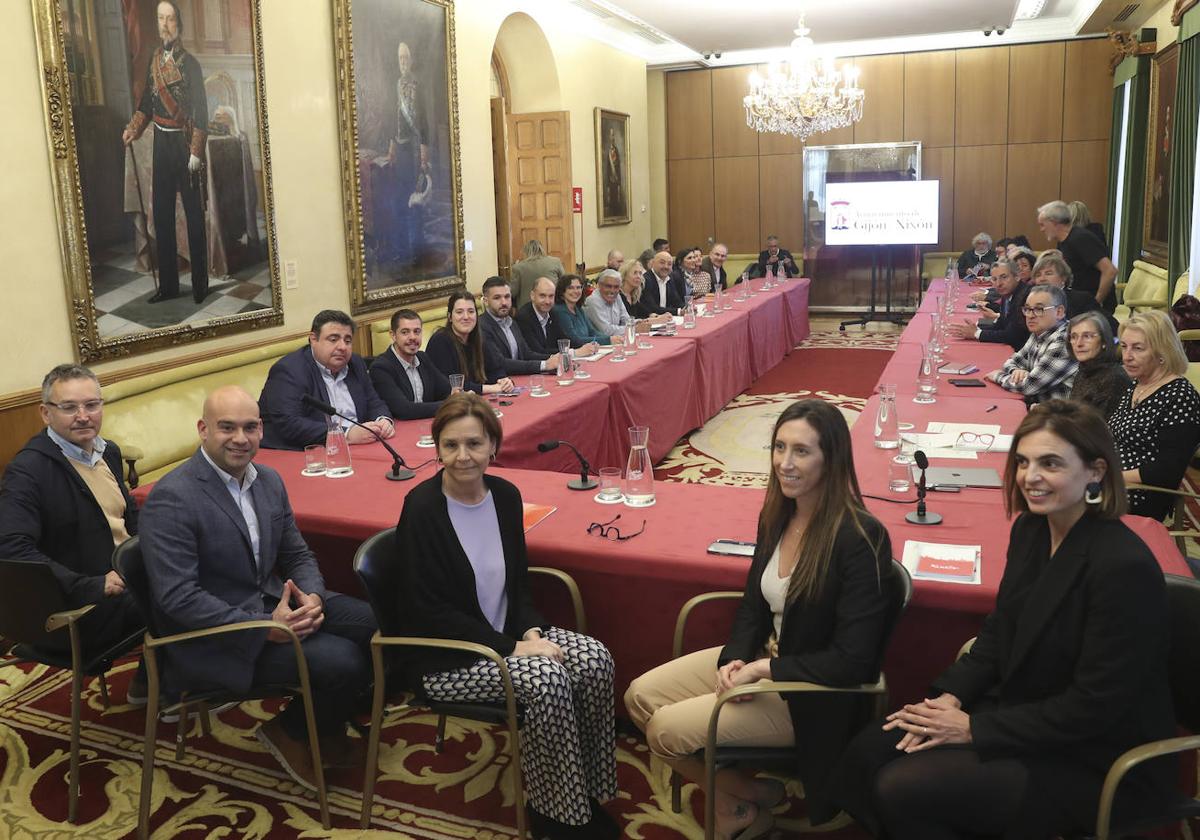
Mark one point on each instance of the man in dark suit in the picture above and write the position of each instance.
(326, 369)
(221, 546)
(714, 264)
(403, 375)
(63, 503)
(539, 326)
(1009, 325)
(780, 259)
(504, 337)
(662, 290)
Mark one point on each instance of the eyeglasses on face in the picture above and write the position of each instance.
(610, 532)
(1037, 310)
(1085, 336)
(69, 408)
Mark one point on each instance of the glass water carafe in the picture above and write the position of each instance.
(887, 424)
(337, 451)
(639, 472)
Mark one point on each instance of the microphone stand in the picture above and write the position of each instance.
(921, 516)
(584, 482)
(399, 470)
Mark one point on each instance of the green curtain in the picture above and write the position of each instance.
(1183, 157)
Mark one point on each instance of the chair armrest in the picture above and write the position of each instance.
(686, 610)
(1146, 303)
(1174, 491)
(1126, 762)
(379, 641)
(572, 591)
(1189, 335)
(58, 620)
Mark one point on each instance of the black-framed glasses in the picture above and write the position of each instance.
(1038, 310)
(609, 531)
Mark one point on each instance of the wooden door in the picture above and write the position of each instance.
(539, 183)
(504, 250)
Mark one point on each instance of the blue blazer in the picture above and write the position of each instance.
(202, 571)
(290, 424)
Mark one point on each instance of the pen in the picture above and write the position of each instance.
(989, 409)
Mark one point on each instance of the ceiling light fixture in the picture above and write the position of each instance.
(804, 95)
(1029, 9)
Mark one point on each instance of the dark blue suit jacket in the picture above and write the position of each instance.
(203, 574)
(527, 359)
(290, 424)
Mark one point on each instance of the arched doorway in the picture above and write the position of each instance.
(531, 145)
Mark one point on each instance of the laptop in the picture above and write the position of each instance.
(936, 477)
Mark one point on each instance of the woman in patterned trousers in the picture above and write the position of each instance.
(462, 547)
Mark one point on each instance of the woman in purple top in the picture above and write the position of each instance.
(462, 547)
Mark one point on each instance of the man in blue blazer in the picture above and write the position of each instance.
(328, 370)
(406, 379)
(221, 546)
(503, 335)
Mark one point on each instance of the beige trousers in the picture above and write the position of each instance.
(672, 704)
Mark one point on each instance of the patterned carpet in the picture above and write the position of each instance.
(731, 449)
(227, 787)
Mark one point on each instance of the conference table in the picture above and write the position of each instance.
(633, 589)
(674, 387)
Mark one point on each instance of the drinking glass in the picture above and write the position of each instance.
(610, 484)
(314, 460)
(899, 476)
(739, 292)
(456, 382)
(537, 386)
(618, 353)
(689, 316)
(564, 345)
(631, 342)
(580, 370)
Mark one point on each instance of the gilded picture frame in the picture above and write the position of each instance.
(612, 168)
(129, 289)
(1164, 78)
(397, 90)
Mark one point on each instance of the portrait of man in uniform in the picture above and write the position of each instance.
(612, 166)
(169, 140)
(173, 102)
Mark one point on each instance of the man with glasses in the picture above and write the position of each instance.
(605, 309)
(1044, 368)
(1009, 325)
(64, 503)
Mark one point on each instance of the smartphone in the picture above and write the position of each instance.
(736, 548)
(967, 383)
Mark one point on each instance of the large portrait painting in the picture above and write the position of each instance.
(612, 167)
(397, 107)
(158, 134)
(1164, 76)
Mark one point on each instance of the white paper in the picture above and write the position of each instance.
(955, 429)
(936, 446)
(914, 550)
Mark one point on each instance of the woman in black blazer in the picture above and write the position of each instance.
(1067, 673)
(458, 347)
(461, 545)
(816, 607)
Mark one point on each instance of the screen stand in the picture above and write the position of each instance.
(889, 273)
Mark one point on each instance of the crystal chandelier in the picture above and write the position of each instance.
(805, 96)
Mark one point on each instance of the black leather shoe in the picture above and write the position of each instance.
(159, 297)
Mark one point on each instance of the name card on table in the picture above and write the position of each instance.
(942, 562)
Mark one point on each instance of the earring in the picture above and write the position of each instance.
(1094, 494)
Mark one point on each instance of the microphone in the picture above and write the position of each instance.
(921, 516)
(399, 471)
(581, 483)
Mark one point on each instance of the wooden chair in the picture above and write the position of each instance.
(715, 755)
(129, 562)
(1183, 597)
(377, 568)
(32, 611)
(1179, 529)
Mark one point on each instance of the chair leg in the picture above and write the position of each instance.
(205, 715)
(73, 782)
(148, 743)
(676, 792)
(372, 768)
(103, 690)
(441, 734)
